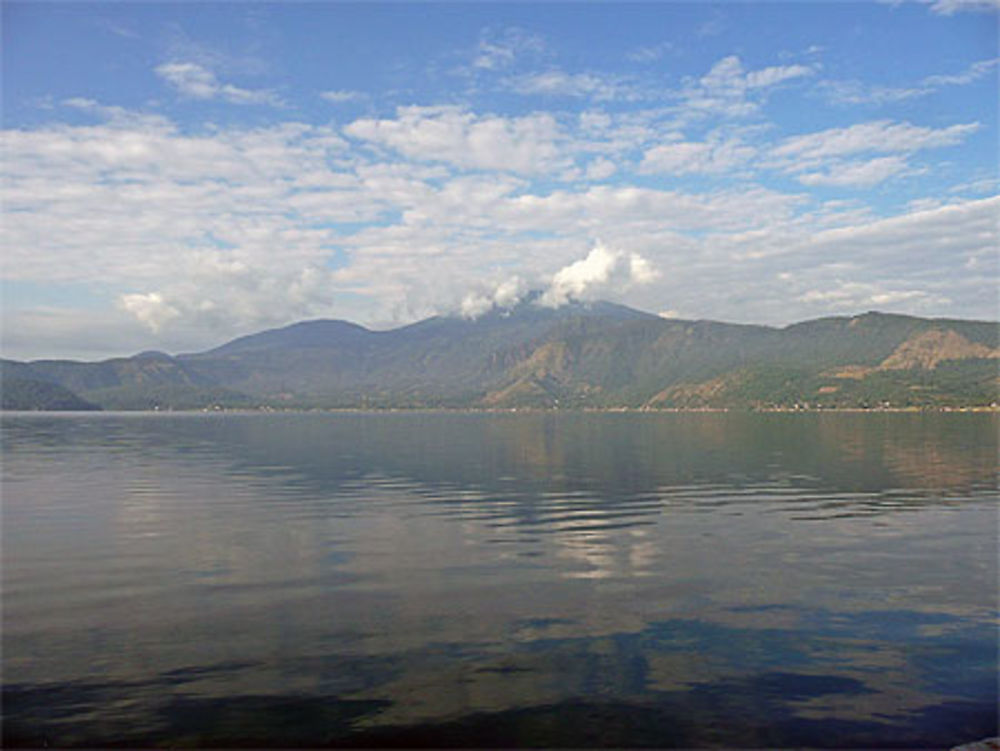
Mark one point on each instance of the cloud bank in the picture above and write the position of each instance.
(214, 229)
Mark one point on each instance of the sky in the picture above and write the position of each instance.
(175, 175)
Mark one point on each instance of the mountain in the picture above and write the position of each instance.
(597, 355)
(148, 380)
(28, 394)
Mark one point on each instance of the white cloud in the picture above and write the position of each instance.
(713, 27)
(119, 116)
(142, 193)
(879, 136)
(729, 90)
(603, 270)
(506, 294)
(118, 29)
(150, 308)
(198, 82)
(606, 209)
(857, 174)
(950, 7)
(616, 134)
(943, 259)
(688, 157)
(528, 144)
(855, 296)
(968, 227)
(601, 169)
(211, 290)
(210, 233)
(500, 49)
(985, 185)
(44, 332)
(776, 74)
(857, 92)
(650, 53)
(340, 96)
(561, 84)
(973, 73)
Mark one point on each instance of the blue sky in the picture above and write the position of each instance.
(178, 174)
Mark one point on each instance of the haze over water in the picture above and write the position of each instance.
(442, 579)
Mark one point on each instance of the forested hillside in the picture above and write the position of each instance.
(578, 356)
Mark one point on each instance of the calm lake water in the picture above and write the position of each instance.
(669, 580)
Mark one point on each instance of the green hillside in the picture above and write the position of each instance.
(27, 394)
(578, 356)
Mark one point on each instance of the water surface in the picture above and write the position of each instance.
(501, 580)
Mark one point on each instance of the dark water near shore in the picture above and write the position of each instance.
(825, 580)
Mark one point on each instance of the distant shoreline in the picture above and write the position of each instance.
(990, 409)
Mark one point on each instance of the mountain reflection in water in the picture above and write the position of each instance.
(501, 580)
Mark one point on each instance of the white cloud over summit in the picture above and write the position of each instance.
(601, 272)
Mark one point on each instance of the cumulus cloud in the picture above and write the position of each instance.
(506, 294)
(603, 270)
(198, 82)
(150, 308)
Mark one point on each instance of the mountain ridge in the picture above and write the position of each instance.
(593, 355)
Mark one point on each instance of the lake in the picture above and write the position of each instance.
(547, 579)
